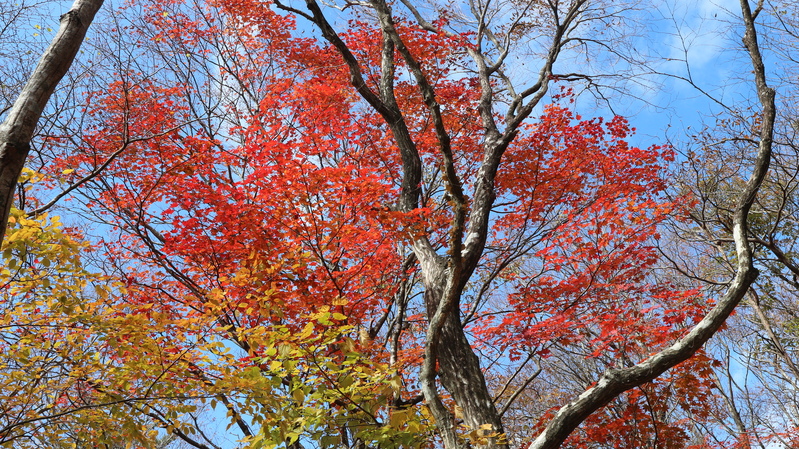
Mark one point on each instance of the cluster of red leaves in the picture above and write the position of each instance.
(289, 209)
(593, 205)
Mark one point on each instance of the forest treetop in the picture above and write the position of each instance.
(375, 224)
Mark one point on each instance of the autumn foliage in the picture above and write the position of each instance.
(244, 258)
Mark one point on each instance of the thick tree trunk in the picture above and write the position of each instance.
(17, 129)
(461, 375)
(460, 372)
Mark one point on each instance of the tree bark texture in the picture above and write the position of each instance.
(17, 129)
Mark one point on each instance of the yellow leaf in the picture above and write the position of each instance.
(458, 413)
(307, 331)
(398, 418)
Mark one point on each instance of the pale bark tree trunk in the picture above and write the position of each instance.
(17, 129)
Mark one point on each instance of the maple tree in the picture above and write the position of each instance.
(358, 238)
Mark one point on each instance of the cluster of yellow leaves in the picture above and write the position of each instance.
(482, 435)
(49, 354)
(314, 382)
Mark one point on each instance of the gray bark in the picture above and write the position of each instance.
(17, 129)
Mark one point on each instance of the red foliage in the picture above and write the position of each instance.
(286, 206)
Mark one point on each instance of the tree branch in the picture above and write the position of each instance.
(17, 129)
(615, 381)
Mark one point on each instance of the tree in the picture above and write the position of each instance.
(758, 362)
(18, 127)
(266, 198)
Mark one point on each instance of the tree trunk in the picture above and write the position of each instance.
(460, 372)
(17, 129)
